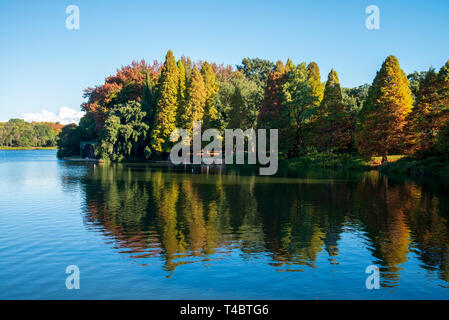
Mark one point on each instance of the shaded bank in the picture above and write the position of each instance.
(436, 167)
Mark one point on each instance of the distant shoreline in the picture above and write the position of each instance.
(27, 148)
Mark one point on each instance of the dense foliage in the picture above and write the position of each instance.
(334, 122)
(383, 117)
(131, 116)
(19, 133)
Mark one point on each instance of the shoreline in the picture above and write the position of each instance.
(79, 159)
(26, 148)
(434, 167)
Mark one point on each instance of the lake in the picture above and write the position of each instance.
(139, 231)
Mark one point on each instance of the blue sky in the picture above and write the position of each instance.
(45, 66)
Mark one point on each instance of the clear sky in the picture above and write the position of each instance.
(45, 66)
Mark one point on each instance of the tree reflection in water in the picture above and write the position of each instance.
(185, 217)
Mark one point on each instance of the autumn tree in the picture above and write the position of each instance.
(384, 114)
(211, 86)
(314, 78)
(167, 105)
(289, 65)
(335, 130)
(182, 87)
(188, 66)
(310, 135)
(270, 110)
(126, 85)
(196, 100)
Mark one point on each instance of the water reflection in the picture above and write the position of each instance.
(202, 217)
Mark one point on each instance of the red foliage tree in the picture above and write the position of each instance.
(270, 111)
(126, 85)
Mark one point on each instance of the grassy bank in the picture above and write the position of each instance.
(336, 161)
(323, 160)
(433, 167)
(28, 148)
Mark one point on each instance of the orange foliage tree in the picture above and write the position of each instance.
(383, 117)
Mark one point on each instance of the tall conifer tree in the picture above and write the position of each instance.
(443, 85)
(149, 100)
(166, 107)
(196, 100)
(289, 66)
(182, 91)
(211, 86)
(423, 120)
(270, 111)
(384, 114)
(182, 87)
(335, 132)
(442, 145)
(314, 77)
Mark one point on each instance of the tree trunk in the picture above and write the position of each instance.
(384, 158)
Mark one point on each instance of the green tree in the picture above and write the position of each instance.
(149, 106)
(415, 79)
(423, 124)
(149, 100)
(443, 90)
(239, 101)
(19, 133)
(354, 98)
(299, 106)
(68, 141)
(44, 135)
(124, 133)
(335, 132)
(384, 114)
(166, 107)
(256, 70)
(442, 146)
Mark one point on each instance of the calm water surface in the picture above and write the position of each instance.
(146, 232)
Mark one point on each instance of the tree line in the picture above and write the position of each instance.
(131, 116)
(19, 133)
